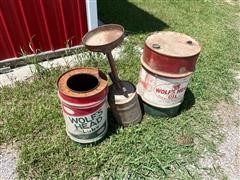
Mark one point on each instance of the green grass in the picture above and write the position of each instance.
(30, 113)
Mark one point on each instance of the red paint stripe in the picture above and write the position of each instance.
(23, 16)
(6, 33)
(81, 12)
(96, 98)
(63, 19)
(168, 64)
(81, 112)
(46, 24)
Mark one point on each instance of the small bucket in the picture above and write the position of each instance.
(126, 110)
(83, 96)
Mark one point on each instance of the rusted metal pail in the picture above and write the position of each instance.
(83, 95)
(168, 61)
(126, 110)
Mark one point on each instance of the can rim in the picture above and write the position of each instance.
(123, 101)
(64, 89)
(92, 89)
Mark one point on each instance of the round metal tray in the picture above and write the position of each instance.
(104, 38)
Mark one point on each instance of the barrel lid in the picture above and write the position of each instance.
(117, 96)
(173, 44)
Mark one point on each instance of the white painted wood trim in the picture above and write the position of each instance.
(92, 17)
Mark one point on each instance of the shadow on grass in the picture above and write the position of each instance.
(188, 102)
(132, 18)
(113, 126)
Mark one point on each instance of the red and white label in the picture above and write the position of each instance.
(86, 123)
(160, 91)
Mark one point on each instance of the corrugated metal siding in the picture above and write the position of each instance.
(32, 26)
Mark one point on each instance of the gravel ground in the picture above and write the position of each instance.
(8, 159)
(228, 116)
(229, 161)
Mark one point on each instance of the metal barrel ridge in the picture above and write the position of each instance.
(168, 61)
(83, 95)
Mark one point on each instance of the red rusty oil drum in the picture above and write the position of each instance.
(171, 53)
(168, 61)
(83, 95)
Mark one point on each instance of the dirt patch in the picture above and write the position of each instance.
(228, 152)
(8, 159)
(228, 117)
(226, 162)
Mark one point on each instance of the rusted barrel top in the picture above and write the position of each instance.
(173, 44)
(171, 52)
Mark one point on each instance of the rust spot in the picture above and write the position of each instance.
(189, 42)
(184, 140)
